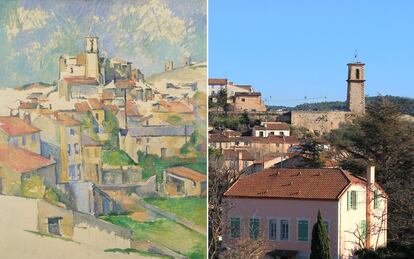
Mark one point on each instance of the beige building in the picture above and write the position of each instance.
(238, 159)
(182, 181)
(91, 160)
(19, 133)
(250, 102)
(161, 140)
(271, 128)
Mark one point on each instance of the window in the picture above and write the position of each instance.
(72, 132)
(254, 228)
(281, 133)
(53, 226)
(352, 197)
(243, 100)
(68, 149)
(97, 116)
(284, 229)
(260, 133)
(303, 230)
(24, 140)
(377, 199)
(235, 227)
(363, 229)
(271, 133)
(33, 138)
(76, 147)
(357, 73)
(272, 229)
(78, 167)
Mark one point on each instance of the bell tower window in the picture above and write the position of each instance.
(357, 73)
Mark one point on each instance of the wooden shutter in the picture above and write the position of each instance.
(348, 195)
(303, 230)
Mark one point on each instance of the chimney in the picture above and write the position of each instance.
(369, 190)
(371, 175)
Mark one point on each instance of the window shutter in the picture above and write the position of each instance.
(356, 200)
(363, 229)
(303, 230)
(348, 194)
(377, 199)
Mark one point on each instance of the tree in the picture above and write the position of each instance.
(383, 138)
(320, 247)
(311, 152)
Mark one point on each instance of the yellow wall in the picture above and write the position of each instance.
(92, 157)
(11, 181)
(47, 210)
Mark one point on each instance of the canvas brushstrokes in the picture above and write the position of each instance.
(103, 129)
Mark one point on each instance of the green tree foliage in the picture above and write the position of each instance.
(89, 126)
(111, 126)
(33, 187)
(384, 139)
(241, 123)
(311, 152)
(320, 247)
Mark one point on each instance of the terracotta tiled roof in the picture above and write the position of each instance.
(63, 119)
(217, 81)
(277, 126)
(230, 154)
(132, 109)
(14, 126)
(283, 139)
(176, 106)
(82, 107)
(21, 160)
(81, 80)
(95, 104)
(187, 173)
(298, 183)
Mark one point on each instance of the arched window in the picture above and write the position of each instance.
(357, 73)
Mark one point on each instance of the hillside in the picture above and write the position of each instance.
(196, 73)
(405, 104)
(31, 86)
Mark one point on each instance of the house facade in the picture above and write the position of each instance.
(280, 206)
(271, 128)
(183, 181)
(17, 165)
(19, 133)
(61, 141)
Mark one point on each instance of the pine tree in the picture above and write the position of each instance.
(320, 240)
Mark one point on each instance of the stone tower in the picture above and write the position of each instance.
(356, 93)
(91, 52)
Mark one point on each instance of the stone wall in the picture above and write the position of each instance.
(320, 121)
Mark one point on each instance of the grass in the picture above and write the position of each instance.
(154, 165)
(136, 251)
(165, 232)
(193, 209)
(117, 157)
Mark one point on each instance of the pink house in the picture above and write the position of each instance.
(279, 207)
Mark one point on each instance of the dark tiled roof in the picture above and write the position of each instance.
(217, 81)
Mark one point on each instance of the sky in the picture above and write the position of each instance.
(34, 33)
(291, 49)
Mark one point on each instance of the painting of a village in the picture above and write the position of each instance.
(103, 129)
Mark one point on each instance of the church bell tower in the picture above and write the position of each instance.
(91, 52)
(356, 91)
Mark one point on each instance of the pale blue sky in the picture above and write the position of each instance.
(34, 33)
(292, 49)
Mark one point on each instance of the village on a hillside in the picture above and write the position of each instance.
(277, 176)
(105, 161)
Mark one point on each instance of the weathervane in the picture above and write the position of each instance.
(356, 55)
